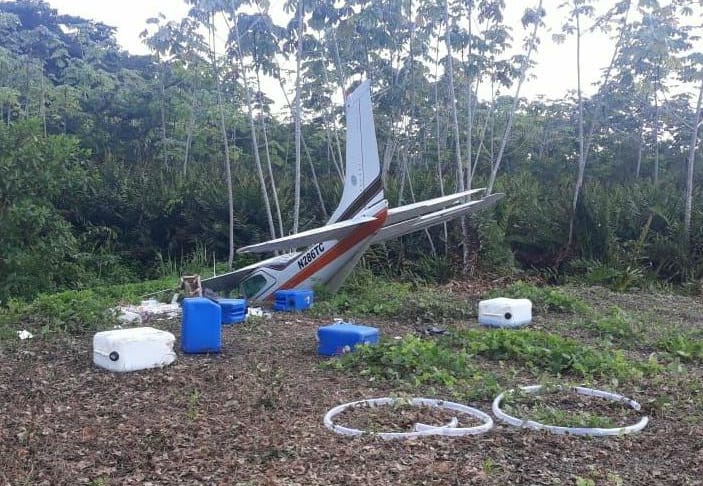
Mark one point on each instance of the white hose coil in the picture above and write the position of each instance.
(587, 431)
(421, 430)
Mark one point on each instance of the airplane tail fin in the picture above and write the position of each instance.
(363, 188)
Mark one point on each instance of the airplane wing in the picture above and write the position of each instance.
(329, 232)
(409, 211)
(438, 217)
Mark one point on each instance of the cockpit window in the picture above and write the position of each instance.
(253, 285)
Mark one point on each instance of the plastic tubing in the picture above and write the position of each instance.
(585, 431)
(421, 430)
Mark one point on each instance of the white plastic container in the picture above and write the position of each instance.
(133, 349)
(504, 312)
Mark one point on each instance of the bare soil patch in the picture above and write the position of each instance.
(253, 415)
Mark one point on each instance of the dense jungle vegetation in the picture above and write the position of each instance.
(116, 167)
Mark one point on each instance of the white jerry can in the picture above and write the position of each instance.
(133, 349)
(504, 312)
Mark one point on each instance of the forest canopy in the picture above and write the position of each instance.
(116, 167)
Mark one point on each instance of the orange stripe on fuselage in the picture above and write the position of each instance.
(338, 250)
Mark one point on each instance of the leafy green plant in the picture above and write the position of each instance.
(544, 299)
(78, 311)
(617, 324)
(368, 295)
(685, 347)
(417, 362)
(549, 352)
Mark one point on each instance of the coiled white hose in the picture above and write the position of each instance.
(421, 430)
(554, 429)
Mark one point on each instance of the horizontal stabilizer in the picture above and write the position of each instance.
(432, 219)
(402, 213)
(334, 231)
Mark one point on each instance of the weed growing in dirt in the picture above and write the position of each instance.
(367, 295)
(687, 347)
(77, 311)
(417, 362)
(193, 405)
(544, 299)
(448, 361)
(616, 324)
(542, 351)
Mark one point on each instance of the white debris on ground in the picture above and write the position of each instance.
(24, 334)
(147, 310)
(258, 312)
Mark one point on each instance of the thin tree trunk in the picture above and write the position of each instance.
(582, 159)
(640, 145)
(516, 100)
(43, 98)
(604, 84)
(440, 176)
(656, 130)
(162, 89)
(268, 160)
(189, 135)
(690, 165)
(307, 153)
(314, 179)
(457, 139)
(469, 110)
(228, 169)
(298, 115)
(255, 143)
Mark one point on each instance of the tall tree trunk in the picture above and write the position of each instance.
(298, 115)
(691, 162)
(223, 127)
(582, 159)
(457, 137)
(43, 98)
(268, 159)
(640, 146)
(440, 176)
(254, 141)
(314, 179)
(469, 108)
(656, 129)
(162, 90)
(189, 135)
(516, 100)
(307, 153)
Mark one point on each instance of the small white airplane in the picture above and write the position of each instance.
(362, 219)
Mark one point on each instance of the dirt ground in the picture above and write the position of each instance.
(253, 415)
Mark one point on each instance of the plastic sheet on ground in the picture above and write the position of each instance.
(258, 312)
(24, 334)
(150, 309)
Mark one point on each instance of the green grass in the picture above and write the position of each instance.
(75, 311)
(545, 352)
(450, 361)
(366, 295)
(616, 324)
(544, 299)
(414, 362)
(687, 347)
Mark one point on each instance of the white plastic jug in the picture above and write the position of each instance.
(133, 349)
(504, 312)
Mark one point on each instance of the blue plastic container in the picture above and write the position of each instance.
(293, 300)
(201, 328)
(233, 310)
(343, 338)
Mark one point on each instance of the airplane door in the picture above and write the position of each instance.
(257, 284)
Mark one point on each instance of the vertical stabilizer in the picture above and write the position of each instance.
(362, 185)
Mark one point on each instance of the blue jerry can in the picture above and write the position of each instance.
(293, 300)
(343, 338)
(201, 328)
